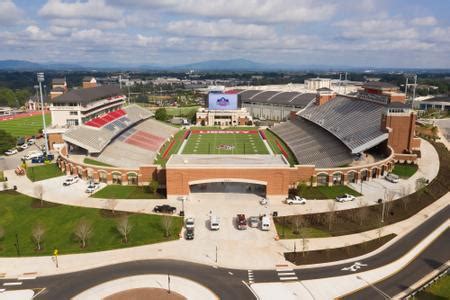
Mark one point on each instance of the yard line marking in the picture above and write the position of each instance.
(289, 278)
(12, 283)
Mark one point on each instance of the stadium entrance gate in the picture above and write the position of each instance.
(240, 186)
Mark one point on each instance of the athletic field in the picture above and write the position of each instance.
(225, 142)
(26, 126)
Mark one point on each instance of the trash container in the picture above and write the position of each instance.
(15, 187)
(275, 214)
(181, 213)
(380, 201)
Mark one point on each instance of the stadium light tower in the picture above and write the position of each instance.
(40, 78)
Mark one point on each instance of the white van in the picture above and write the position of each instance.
(32, 154)
(265, 223)
(214, 223)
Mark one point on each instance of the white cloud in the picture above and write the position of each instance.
(440, 34)
(9, 13)
(224, 28)
(263, 11)
(424, 21)
(91, 9)
(384, 28)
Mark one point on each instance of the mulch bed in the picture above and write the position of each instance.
(335, 254)
(145, 294)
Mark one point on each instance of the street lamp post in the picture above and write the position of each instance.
(383, 294)
(40, 78)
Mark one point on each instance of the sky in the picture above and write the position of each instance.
(358, 33)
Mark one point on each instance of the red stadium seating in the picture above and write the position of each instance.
(105, 119)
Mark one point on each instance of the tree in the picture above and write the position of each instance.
(331, 216)
(7, 97)
(421, 183)
(161, 114)
(166, 222)
(111, 205)
(405, 191)
(7, 141)
(153, 186)
(38, 233)
(297, 222)
(39, 192)
(124, 227)
(83, 231)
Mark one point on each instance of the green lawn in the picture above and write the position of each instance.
(325, 192)
(405, 170)
(307, 232)
(25, 126)
(225, 143)
(19, 214)
(181, 111)
(272, 140)
(178, 137)
(125, 192)
(96, 162)
(38, 173)
(438, 291)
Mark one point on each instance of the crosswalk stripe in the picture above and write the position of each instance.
(289, 278)
(26, 277)
(12, 283)
(286, 273)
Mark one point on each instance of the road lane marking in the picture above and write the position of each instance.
(289, 278)
(26, 277)
(12, 283)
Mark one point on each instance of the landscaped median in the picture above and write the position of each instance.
(405, 170)
(27, 224)
(365, 218)
(324, 192)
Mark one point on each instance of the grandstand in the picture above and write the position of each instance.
(274, 105)
(312, 145)
(95, 136)
(355, 122)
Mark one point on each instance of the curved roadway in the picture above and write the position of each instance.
(228, 283)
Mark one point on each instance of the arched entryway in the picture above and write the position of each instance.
(232, 185)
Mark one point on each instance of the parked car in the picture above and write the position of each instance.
(31, 142)
(265, 223)
(189, 223)
(263, 201)
(92, 187)
(295, 200)
(164, 209)
(11, 151)
(214, 223)
(33, 154)
(345, 198)
(189, 233)
(394, 178)
(38, 160)
(253, 222)
(70, 181)
(241, 222)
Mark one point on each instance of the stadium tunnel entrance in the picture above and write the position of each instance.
(228, 186)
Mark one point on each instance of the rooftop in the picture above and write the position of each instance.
(58, 80)
(85, 96)
(438, 99)
(379, 85)
(231, 161)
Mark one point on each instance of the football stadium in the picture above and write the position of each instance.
(321, 139)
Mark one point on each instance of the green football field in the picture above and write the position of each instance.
(200, 142)
(27, 126)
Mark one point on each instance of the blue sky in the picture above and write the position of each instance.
(371, 33)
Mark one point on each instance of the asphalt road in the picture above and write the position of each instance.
(227, 283)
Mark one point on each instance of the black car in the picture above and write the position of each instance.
(190, 233)
(164, 209)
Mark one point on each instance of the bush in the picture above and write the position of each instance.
(161, 114)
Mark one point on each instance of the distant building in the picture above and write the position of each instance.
(6, 111)
(34, 103)
(59, 87)
(316, 83)
(89, 82)
(381, 92)
(437, 103)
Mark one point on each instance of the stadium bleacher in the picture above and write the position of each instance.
(105, 119)
(355, 122)
(313, 145)
(94, 139)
